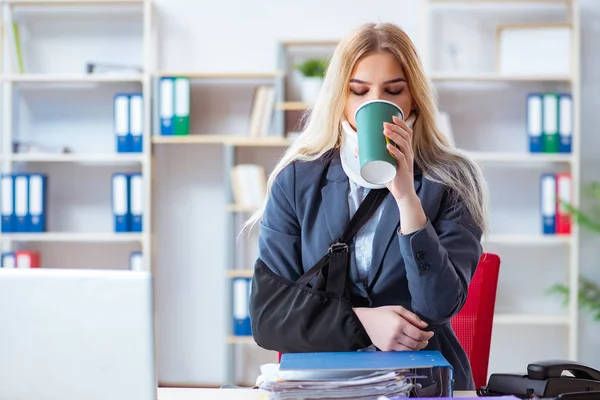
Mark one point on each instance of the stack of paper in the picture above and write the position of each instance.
(356, 375)
(332, 385)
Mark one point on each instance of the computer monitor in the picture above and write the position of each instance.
(76, 334)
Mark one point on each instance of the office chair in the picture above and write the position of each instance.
(473, 323)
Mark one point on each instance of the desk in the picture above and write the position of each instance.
(233, 394)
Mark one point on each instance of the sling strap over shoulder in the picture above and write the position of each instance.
(338, 255)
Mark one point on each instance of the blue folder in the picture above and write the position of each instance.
(427, 363)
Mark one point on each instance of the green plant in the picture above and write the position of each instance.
(589, 292)
(313, 67)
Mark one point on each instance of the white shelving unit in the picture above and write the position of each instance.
(60, 84)
(523, 254)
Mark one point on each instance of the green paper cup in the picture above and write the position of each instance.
(377, 165)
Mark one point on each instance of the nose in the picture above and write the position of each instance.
(377, 93)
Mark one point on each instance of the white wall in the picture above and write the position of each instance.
(190, 197)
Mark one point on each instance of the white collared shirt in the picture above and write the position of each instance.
(361, 248)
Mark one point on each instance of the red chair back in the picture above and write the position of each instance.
(473, 323)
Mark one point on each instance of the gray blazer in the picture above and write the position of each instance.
(427, 272)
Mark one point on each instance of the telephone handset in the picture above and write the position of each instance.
(546, 379)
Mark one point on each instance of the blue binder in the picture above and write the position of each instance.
(535, 122)
(37, 203)
(22, 202)
(166, 106)
(136, 200)
(136, 122)
(241, 313)
(121, 122)
(8, 260)
(548, 201)
(565, 122)
(120, 202)
(8, 203)
(429, 364)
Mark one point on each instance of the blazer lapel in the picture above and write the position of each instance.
(335, 199)
(386, 229)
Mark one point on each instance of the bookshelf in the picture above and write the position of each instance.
(63, 117)
(531, 261)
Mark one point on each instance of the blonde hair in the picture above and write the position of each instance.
(433, 154)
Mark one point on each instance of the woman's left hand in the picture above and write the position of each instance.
(402, 186)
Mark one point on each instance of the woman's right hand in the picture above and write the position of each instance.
(394, 328)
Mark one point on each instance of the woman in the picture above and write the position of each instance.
(413, 260)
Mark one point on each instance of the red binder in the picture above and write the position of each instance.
(563, 194)
(27, 259)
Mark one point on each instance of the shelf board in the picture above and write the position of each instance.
(221, 75)
(292, 106)
(90, 237)
(233, 140)
(530, 319)
(528, 240)
(72, 78)
(240, 273)
(266, 141)
(192, 139)
(519, 157)
(78, 157)
(232, 339)
(495, 77)
(37, 3)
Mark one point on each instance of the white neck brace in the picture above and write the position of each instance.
(349, 158)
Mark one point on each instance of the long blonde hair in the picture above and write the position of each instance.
(433, 154)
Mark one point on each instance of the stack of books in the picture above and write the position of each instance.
(357, 375)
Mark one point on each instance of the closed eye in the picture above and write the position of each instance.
(394, 92)
(359, 92)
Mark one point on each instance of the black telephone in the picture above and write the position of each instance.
(545, 379)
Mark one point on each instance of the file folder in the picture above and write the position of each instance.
(121, 122)
(182, 106)
(136, 201)
(565, 123)
(22, 202)
(550, 126)
(136, 122)
(430, 368)
(8, 260)
(27, 259)
(166, 106)
(37, 203)
(241, 314)
(120, 202)
(136, 261)
(534, 122)
(8, 200)
(548, 203)
(564, 194)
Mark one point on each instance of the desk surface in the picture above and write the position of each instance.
(232, 394)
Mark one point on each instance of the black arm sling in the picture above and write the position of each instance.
(313, 313)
